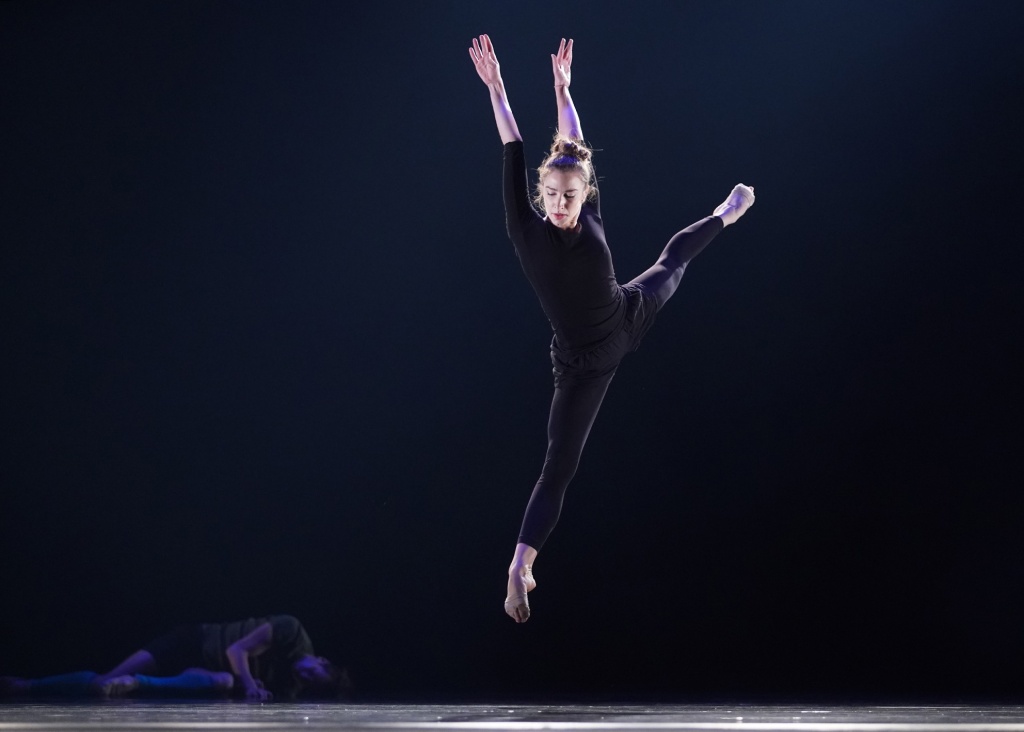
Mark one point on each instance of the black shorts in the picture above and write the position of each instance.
(601, 361)
(178, 650)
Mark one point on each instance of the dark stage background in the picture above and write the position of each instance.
(268, 349)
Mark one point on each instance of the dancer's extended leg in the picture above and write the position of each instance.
(573, 410)
(664, 277)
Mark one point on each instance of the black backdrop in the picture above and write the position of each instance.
(267, 348)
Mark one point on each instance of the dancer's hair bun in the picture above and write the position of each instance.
(565, 147)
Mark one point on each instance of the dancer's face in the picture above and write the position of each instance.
(564, 193)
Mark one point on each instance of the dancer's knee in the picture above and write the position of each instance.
(670, 276)
(559, 470)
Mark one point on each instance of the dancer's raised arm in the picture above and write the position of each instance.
(561, 66)
(486, 63)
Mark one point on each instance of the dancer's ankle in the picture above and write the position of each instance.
(519, 568)
(524, 556)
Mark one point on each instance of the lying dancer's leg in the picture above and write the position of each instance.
(120, 679)
(78, 684)
(163, 657)
(190, 682)
(664, 277)
(573, 409)
(88, 684)
(116, 682)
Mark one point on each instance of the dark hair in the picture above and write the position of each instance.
(570, 156)
(337, 686)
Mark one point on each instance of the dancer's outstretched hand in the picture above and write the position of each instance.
(561, 64)
(484, 60)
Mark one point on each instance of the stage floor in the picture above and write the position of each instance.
(139, 715)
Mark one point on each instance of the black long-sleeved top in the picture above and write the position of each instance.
(571, 271)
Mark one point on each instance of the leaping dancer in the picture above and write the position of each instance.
(565, 256)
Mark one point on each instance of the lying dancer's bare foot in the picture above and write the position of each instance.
(736, 204)
(117, 686)
(520, 582)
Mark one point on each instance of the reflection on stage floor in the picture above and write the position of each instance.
(140, 715)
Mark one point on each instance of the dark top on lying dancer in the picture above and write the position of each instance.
(206, 645)
(289, 643)
(571, 271)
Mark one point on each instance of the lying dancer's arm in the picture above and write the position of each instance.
(489, 71)
(561, 66)
(241, 650)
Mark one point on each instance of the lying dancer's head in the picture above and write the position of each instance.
(565, 179)
(319, 678)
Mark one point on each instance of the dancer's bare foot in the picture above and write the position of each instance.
(520, 582)
(736, 204)
(117, 686)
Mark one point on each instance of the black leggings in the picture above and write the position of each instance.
(579, 393)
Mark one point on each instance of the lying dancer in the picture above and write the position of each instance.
(596, 321)
(258, 658)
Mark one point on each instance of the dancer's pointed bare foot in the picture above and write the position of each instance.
(736, 204)
(118, 686)
(520, 582)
